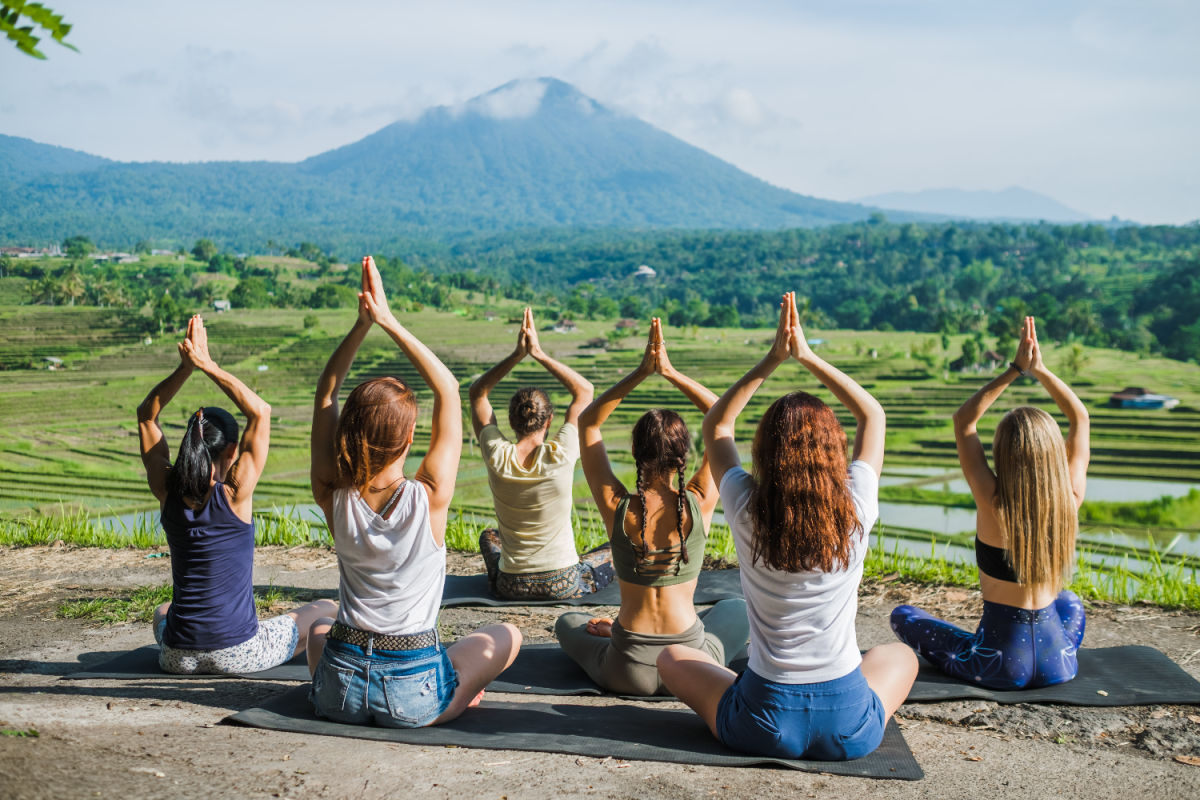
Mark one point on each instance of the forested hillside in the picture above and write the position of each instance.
(1135, 288)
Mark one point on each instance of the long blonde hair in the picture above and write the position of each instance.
(1034, 500)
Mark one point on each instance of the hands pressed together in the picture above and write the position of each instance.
(1029, 352)
(655, 359)
(790, 341)
(372, 301)
(193, 350)
(528, 343)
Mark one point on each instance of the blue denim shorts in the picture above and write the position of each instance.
(830, 721)
(390, 688)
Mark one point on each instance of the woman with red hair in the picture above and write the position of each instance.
(382, 661)
(800, 526)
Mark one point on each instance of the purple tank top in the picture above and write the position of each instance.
(212, 560)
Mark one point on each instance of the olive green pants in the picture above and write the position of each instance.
(625, 663)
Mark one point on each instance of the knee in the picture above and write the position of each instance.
(320, 627)
(515, 637)
(669, 657)
(326, 607)
(566, 623)
(901, 615)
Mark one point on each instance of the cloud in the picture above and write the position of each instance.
(516, 100)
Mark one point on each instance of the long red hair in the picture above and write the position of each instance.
(801, 507)
(374, 429)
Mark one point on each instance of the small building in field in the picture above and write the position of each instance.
(222, 305)
(1140, 397)
(566, 326)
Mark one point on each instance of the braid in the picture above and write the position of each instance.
(680, 499)
(641, 493)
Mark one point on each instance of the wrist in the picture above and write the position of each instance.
(1017, 367)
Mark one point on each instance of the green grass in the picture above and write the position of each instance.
(26, 733)
(139, 604)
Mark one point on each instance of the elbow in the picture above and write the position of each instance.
(475, 391)
(144, 413)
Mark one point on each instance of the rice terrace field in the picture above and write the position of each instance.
(68, 447)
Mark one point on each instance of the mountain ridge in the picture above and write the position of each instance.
(533, 153)
(1013, 203)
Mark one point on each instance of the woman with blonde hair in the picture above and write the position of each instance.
(1026, 522)
(382, 660)
(800, 526)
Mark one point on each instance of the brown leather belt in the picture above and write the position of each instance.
(378, 641)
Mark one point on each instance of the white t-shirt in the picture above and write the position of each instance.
(801, 623)
(391, 571)
(533, 504)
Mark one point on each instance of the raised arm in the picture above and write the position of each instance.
(580, 387)
(870, 420)
(156, 455)
(719, 446)
(439, 468)
(482, 414)
(607, 490)
(243, 476)
(325, 407)
(971, 456)
(702, 483)
(1079, 423)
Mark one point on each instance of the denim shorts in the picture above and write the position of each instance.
(834, 720)
(390, 688)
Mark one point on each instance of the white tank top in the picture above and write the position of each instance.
(392, 572)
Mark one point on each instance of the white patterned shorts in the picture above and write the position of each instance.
(273, 645)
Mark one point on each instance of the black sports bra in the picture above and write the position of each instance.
(994, 562)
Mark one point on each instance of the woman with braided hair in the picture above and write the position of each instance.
(207, 498)
(657, 535)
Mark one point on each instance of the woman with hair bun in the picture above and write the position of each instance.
(1026, 519)
(800, 524)
(207, 502)
(531, 555)
(382, 662)
(657, 535)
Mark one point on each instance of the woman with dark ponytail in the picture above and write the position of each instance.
(206, 497)
(531, 554)
(657, 535)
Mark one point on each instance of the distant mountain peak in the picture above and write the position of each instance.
(1011, 203)
(527, 97)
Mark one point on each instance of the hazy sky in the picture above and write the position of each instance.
(1096, 104)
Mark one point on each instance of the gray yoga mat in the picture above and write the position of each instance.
(472, 590)
(1131, 675)
(620, 730)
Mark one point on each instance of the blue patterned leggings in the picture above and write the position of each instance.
(1013, 648)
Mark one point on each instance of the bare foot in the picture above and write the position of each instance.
(478, 699)
(600, 626)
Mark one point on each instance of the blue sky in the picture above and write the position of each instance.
(1095, 104)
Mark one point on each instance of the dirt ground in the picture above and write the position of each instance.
(160, 737)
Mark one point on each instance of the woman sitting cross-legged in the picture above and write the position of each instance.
(207, 502)
(382, 661)
(1027, 516)
(532, 553)
(800, 526)
(658, 536)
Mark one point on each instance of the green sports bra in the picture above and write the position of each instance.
(658, 567)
